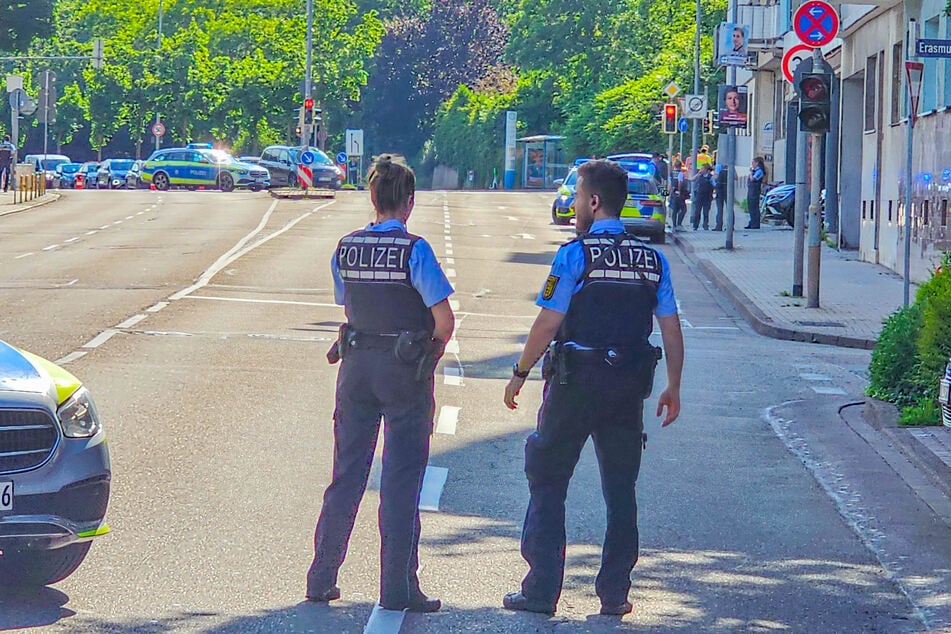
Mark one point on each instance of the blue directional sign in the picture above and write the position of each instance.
(946, 174)
(341, 157)
(683, 125)
(307, 157)
(933, 48)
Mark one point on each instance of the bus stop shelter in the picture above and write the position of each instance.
(543, 160)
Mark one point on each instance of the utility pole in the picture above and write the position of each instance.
(696, 122)
(158, 139)
(815, 209)
(730, 154)
(910, 44)
(308, 129)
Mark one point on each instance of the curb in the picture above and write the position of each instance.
(762, 323)
(883, 417)
(36, 202)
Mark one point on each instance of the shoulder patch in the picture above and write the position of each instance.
(550, 284)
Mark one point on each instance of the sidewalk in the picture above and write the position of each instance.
(854, 298)
(7, 205)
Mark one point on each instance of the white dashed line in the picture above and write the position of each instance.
(384, 621)
(101, 338)
(25, 255)
(117, 222)
(71, 240)
(71, 282)
(452, 347)
(130, 217)
(448, 418)
(433, 482)
(454, 304)
(450, 272)
(51, 247)
(72, 356)
(452, 376)
(104, 227)
(809, 376)
(259, 301)
(157, 307)
(448, 250)
(93, 232)
(131, 321)
(450, 261)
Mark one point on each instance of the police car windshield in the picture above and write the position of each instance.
(640, 186)
(572, 178)
(219, 156)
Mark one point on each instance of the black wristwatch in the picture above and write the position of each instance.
(519, 373)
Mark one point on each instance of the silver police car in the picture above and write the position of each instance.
(54, 470)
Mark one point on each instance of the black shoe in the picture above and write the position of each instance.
(519, 602)
(324, 597)
(618, 609)
(747, 227)
(422, 603)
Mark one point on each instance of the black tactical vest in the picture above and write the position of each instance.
(615, 305)
(378, 292)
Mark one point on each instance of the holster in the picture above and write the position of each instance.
(419, 348)
(553, 364)
(339, 348)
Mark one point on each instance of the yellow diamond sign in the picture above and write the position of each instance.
(671, 90)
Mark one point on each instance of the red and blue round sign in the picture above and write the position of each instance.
(816, 23)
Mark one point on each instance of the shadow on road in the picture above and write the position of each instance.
(32, 608)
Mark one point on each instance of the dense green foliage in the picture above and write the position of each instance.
(910, 355)
(430, 80)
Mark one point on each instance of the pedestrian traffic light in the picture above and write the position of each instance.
(670, 118)
(708, 123)
(815, 102)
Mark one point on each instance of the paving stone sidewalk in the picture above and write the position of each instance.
(8, 204)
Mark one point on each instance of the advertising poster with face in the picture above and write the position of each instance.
(731, 47)
(732, 106)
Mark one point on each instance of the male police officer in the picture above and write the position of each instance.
(8, 153)
(395, 296)
(597, 305)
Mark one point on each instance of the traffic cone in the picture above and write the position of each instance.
(152, 187)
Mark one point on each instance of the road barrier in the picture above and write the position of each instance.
(29, 186)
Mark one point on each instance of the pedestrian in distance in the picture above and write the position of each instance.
(395, 297)
(753, 189)
(721, 182)
(703, 197)
(7, 161)
(597, 310)
(683, 193)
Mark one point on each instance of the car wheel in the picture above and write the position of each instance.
(226, 183)
(659, 238)
(41, 567)
(791, 216)
(160, 180)
(554, 216)
(255, 188)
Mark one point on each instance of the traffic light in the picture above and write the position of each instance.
(670, 118)
(708, 123)
(815, 102)
(308, 111)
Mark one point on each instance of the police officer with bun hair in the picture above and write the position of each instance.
(597, 311)
(395, 297)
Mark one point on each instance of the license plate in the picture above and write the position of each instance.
(945, 396)
(6, 496)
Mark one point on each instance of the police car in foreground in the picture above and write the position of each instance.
(54, 471)
(198, 165)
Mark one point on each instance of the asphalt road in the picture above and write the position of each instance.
(199, 321)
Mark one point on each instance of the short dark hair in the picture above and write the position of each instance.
(608, 180)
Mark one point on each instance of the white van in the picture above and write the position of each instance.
(46, 163)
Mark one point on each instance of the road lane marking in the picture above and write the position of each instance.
(828, 390)
(262, 301)
(384, 621)
(452, 347)
(131, 321)
(450, 260)
(104, 227)
(448, 250)
(450, 272)
(453, 376)
(72, 356)
(73, 239)
(101, 338)
(51, 247)
(448, 418)
(811, 376)
(69, 283)
(130, 217)
(117, 222)
(454, 304)
(25, 255)
(434, 480)
(93, 232)
(242, 248)
(156, 307)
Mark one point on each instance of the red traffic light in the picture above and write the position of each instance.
(308, 103)
(814, 88)
(670, 111)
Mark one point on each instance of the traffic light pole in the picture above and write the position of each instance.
(730, 156)
(158, 138)
(815, 208)
(694, 209)
(307, 129)
(46, 109)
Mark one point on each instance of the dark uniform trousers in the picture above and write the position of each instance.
(372, 383)
(598, 401)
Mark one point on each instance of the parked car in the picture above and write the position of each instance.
(644, 212)
(66, 175)
(54, 470)
(46, 164)
(563, 207)
(192, 168)
(133, 178)
(90, 173)
(945, 395)
(112, 173)
(282, 161)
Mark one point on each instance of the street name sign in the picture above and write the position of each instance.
(933, 48)
(816, 23)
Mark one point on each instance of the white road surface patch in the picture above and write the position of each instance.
(809, 376)
(25, 255)
(450, 260)
(72, 356)
(828, 390)
(70, 240)
(450, 272)
(69, 283)
(448, 418)
(433, 483)
(104, 227)
(452, 347)
(131, 321)
(51, 247)
(156, 307)
(512, 218)
(452, 376)
(101, 338)
(92, 233)
(454, 304)
(524, 236)
(448, 250)
(384, 621)
(117, 222)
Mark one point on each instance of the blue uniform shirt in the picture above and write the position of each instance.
(569, 266)
(425, 273)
